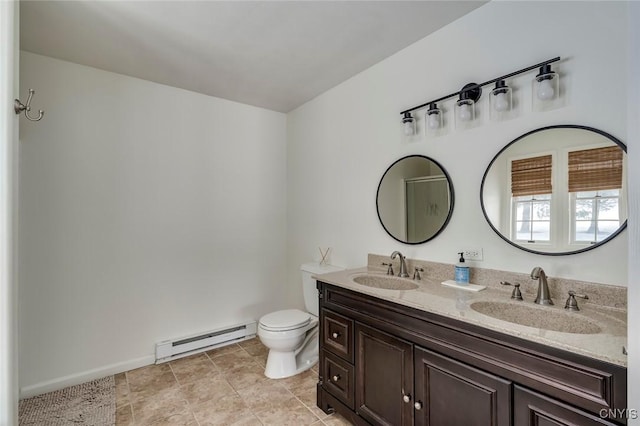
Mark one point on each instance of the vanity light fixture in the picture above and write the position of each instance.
(545, 86)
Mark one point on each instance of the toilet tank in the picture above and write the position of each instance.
(309, 289)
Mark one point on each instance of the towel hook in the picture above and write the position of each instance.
(18, 107)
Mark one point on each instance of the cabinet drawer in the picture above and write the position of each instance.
(338, 334)
(339, 378)
(534, 409)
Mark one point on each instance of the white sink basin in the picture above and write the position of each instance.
(385, 282)
(538, 317)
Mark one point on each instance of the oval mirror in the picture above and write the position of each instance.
(557, 190)
(414, 199)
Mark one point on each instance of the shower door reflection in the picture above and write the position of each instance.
(427, 205)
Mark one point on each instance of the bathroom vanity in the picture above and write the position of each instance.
(387, 359)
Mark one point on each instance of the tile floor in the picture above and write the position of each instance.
(225, 386)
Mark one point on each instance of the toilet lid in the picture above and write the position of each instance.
(287, 319)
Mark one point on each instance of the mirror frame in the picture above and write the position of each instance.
(451, 198)
(558, 126)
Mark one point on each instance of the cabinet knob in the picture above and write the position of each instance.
(406, 398)
(335, 335)
(336, 378)
(418, 405)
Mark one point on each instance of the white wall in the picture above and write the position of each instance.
(9, 50)
(633, 115)
(147, 212)
(340, 143)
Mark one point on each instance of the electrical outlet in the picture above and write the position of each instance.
(473, 254)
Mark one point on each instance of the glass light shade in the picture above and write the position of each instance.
(408, 124)
(500, 99)
(545, 89)
(465, 113)
(500, 102)
(434, 122)
(433, 118)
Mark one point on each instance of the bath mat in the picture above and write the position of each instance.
(92, 403)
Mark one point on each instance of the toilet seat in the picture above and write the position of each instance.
(285, 320)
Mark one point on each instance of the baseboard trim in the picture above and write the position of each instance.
(85, 376)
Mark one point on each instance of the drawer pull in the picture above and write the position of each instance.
(418, 405)
(406, 398)
(336, 378)
(335, 335)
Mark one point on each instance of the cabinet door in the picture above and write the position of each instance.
(384, 377)
(534, 409)
(450, 393)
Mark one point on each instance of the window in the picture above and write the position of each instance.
(531, 192)
(532, 215)
(595, 182)
(596, 215)
(563, 199)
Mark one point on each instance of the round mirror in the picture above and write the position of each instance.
(557, 190)
(415, 199)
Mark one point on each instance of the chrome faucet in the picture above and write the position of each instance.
(544, 296)
(403, 266)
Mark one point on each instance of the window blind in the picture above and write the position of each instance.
(531, 176)
(595, 169)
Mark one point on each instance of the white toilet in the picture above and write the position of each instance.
(292, 335)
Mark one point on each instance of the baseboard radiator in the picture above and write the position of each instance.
(178, 348)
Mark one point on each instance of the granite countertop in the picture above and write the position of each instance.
(432, 296)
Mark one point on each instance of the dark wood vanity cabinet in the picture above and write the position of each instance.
(386, 364)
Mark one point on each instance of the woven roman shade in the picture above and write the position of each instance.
(531, 176)
(595, 169)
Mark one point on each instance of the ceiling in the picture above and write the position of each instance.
(272, 54)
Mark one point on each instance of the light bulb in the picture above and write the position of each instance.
(434, 121)
(501, 103)
(464, 112)
(545, 90)
(408, 128)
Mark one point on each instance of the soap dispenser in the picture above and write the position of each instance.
(461, 271)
